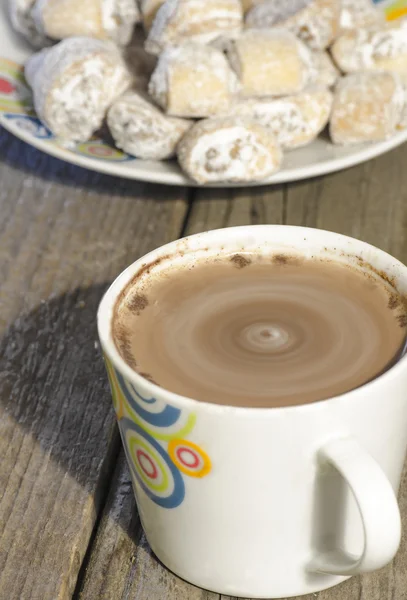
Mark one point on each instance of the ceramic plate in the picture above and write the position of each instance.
(18, 116)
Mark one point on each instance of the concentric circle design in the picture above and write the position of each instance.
(151, 411)
(102, 151)
(189, 458)
(147, 465)
(158, 473)
(133, 403)
(151, 466)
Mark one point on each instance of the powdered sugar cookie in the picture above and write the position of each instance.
(360, 13)
(294, 120)
(196, 20)
(102, 19)
(21, 18)
(326, 73)
(316, 22)
(270, 62)
(275, 12)
(74, 83)
(383, 49)
(367, 107)
(140, 128)
(193, 81)
(229, 149)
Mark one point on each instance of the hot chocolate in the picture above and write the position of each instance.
(259, 331)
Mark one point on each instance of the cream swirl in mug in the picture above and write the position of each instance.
(260, 331)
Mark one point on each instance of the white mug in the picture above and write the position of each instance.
(264, 503)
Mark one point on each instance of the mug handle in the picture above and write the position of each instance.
(378, 508)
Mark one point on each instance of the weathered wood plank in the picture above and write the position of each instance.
(64, 235)
(216, 208)
(368, 202)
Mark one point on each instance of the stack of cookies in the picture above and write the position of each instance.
(226, 86)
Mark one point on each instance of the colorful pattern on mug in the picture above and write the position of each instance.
(153, 435)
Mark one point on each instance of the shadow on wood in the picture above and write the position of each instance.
(36, 163)
(53, 383)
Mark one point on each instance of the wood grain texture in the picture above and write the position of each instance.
(65, 233)
(368, 202)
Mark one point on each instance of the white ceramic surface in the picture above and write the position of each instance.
(254, 502)
(17, 115)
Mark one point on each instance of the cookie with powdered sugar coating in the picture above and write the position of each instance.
(294, 120)
(270, 62)
(377, 49)
(275, 12)
(229, 149)
(140, 128)
(326, 73)
(20, 13)
(101, 19)
(360, 13)
(193, 81)
(74, 83)
(316, 22)
(367, 107)
(195, 20)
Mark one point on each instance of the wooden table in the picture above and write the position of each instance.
(68, 524)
